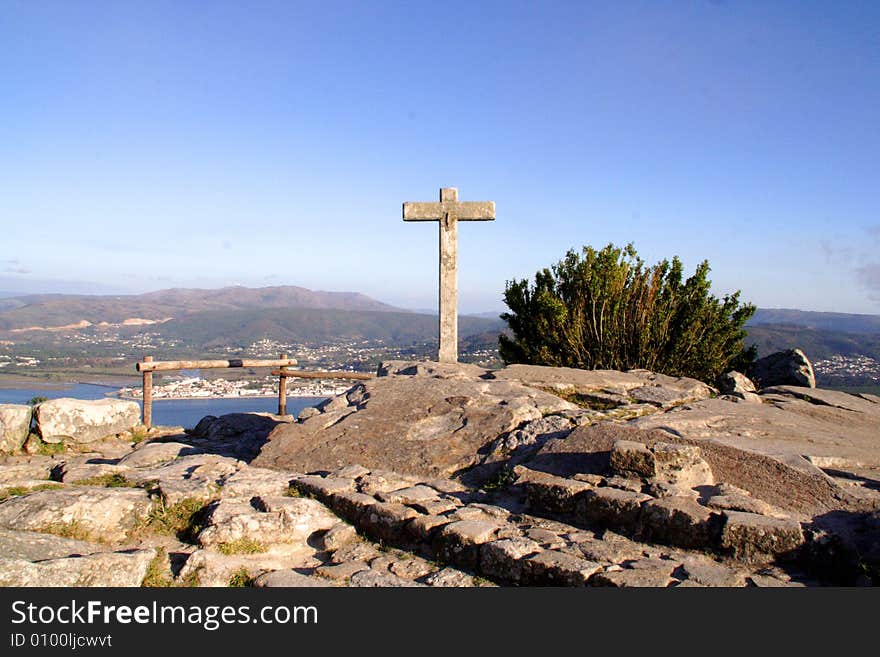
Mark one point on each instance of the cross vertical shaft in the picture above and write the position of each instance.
(448, 212)
(448, 290)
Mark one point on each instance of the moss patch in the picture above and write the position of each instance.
(241, 546)
(73, 529)
(111, 480)
(241, 578)
(18, 491)
(184, 520)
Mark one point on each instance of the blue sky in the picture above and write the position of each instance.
(151, 145)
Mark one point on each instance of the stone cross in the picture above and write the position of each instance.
(448, 212)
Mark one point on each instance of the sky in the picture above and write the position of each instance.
(193, 144)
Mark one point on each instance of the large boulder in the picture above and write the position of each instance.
(420, 418)
(104, 569)
(36, 546)
(589, 450)
(15, 422)
(784, 368)
(735, 383)
(802, 428)
(87, 512)
(622, 387)
(84, 421)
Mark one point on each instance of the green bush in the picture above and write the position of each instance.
(607, 310)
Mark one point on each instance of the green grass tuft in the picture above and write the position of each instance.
(49, 449)
(110, 480)
(18, 491)
(240, 578)
(184, 520)
(502, 479)
(73, 529)
(241, 546)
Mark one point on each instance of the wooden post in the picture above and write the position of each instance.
(282, 391)
(300, 374)
(147, 417)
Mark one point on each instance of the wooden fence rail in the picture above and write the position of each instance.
(147, 366)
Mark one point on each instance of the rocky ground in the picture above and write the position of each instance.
(448, 475)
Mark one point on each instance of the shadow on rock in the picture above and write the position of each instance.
(845, 547)
(236, 435)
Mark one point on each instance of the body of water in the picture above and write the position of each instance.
(167, 412)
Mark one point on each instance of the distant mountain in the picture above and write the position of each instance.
(817, 344)
(315, 325)
(491, 314)
(841, 322)
(63, 310)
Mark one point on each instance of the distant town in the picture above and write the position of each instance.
(199, 388)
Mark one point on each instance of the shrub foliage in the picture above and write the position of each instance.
(607, 310)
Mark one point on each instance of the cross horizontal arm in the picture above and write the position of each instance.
(462, 211)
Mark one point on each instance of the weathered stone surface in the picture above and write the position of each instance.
(36, 546)
(537, 432)
(260, 482)
(281, 520)
(657, 395)
(105, 514)
(430, 369)
(743, 398)
(735, 383)
(673, 389)
(350, 505)
(38, 467)
(155, 453)
(458, 542)
(356, 551)
(15, 422)
(629, 458)
(680, 521)
(612, 507)
(610, 548)
(502, 560)
(423, 528)
(705, 572)
(770, 581)
(681, 465)
(417, 425)
(450, 578)
(234, 425)
(545, 538)
(628, 578)
(387, 521)
(753, 538)
(371, 579)
(200, 476)
(322, 487)
(102, 569)
(289, 579)
(211, 568)
(789, 367)
(338, 536)
(341, 571)
(587, 449)
(306, 413)
(546, 492)
(78, 471)
(383, 481)
(554, 568)
(423, 499)
(791, 422)
(730, 498)
(84, 421)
